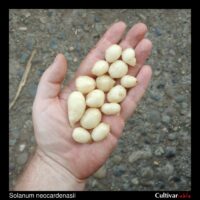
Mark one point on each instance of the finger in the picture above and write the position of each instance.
(134, 36)
(135, 94)
(50, 83)
(116, 123)
(142, 52)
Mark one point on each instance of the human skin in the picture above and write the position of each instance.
(59, 163)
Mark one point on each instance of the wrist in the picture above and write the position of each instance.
(43, 173)
(60, 173)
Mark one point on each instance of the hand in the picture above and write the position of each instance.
(51, 126)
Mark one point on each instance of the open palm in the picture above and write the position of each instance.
(52, 129)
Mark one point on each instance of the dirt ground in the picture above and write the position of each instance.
(154, 152)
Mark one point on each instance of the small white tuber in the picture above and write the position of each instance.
(95, 98)
(91, 118)
(118, 69)
(128, 81)
(85, 84)
(76, 107)
(104, 83)
(100, 68)
(110, 108)
(113, 53)
(128, 56)
(100, 132)
(81, 135)
(116, 94)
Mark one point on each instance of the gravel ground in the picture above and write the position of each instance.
(154, 152)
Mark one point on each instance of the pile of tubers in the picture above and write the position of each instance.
(101, 95)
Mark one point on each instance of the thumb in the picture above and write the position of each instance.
(50, 82)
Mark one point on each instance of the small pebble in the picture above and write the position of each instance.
(50, 13)
(171, 92)
(146, 183)
(157, 72)
(160, 185)
(100, 173)
(175, 128)
(28, 124)
(180, 98)
(184, 105)
(136, 155)
(156, 163)
(172, 52)
(158, 32)
(154, 116)
(166, 119)
(170, 152)
(179, 60)
(97, 18)
(42, 27)
(172, 136)
(117, 159)
(168, 169)
(71, 48)
(33, 140)
(22, 147)
(52, 28)
(126, 187)
(75, 60)
(142, 17)
(23, 28)
(119, 170)
(155, 96)
(94, 183)
(11, 166)
(176, 179)
(182, 72)
(30, 43)
(53, 43)
(86, 28)
(62, 35)
(98, 27)
(22, 158)
(135, 181)
(84, 14)
(12, 142)
(24, 57)
(159, 151)
(43, 20)
(27, 14)
(32, 88)
(147, 172)
(160, 85)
